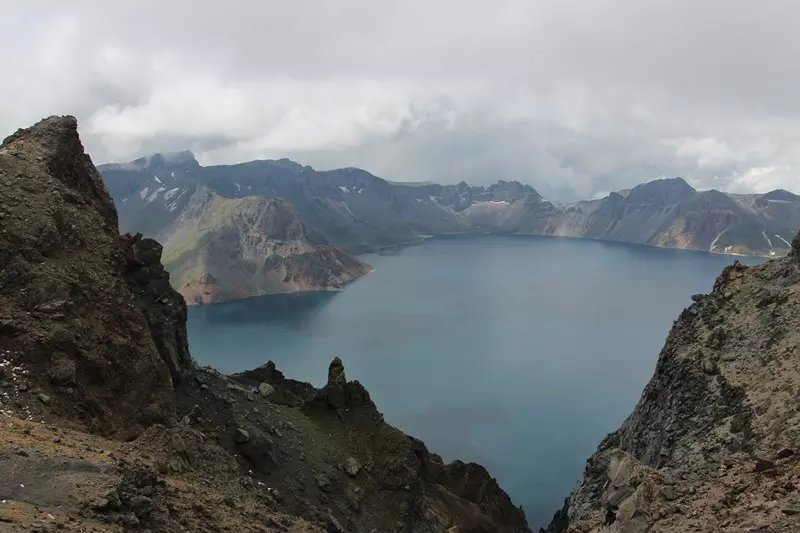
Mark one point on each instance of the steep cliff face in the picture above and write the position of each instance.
(106, 423)
(72, 318)
(229, 248)
(714, 442)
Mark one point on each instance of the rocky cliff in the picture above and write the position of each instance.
(714, 442)
(106, 423)
(230, 248)
(81, 310)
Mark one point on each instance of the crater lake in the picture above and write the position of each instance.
(520, 353)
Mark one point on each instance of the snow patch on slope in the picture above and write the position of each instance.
(784, 240)
(170, 193)
(764, 233)
(155, 194)
(714, 242)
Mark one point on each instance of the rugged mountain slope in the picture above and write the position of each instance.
(672, 214)
(228, 248)
(88, 315)
(349, 208)
(714, 442)
(359, 212)
(95, 375)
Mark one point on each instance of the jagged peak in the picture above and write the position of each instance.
(518, 186)
(336, 375)
(345, 398)
(53, 144)
(52, 127)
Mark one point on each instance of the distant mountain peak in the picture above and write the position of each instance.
(184, 160)
(781, 194)
(519, 188)
(181, 159)
(661, 190)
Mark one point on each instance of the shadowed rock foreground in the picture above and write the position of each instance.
(107, 424)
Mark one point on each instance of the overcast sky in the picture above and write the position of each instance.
(574, 97)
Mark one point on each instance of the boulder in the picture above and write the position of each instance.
(352, 467)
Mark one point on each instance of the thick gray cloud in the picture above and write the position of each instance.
(575, 97)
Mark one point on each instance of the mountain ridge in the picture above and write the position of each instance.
(360, 212)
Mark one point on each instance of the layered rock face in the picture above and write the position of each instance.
(714, 442)
(72, 315)
(229, 248)
(106, 423)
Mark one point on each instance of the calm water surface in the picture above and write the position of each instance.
(520, 353)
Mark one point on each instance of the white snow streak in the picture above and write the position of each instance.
(714, 242)
(154, 194)
(764, 233)
(170, 193)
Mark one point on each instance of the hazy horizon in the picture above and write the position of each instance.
(575, 98)
(479, 182)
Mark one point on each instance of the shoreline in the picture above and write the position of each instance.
(425, 238)
(385, 250)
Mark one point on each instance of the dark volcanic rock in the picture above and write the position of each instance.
(76, 324)
(348, 399)
(163, 307)
(287, 391)
(369, 474)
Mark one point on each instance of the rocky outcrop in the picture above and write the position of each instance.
(711, 445)
(338, 450)
(164, 308)
(80, 333)
(348, 399)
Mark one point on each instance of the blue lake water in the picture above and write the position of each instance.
(520, 353)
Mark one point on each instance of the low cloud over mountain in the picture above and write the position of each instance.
(575, 98)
